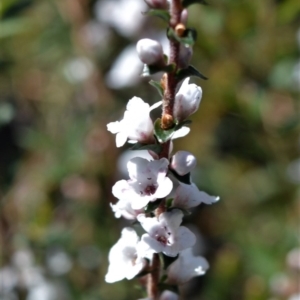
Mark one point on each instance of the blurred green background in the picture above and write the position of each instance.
(68, 67)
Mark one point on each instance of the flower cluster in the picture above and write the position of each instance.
(159, 191)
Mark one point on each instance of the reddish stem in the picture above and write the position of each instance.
(170, 79)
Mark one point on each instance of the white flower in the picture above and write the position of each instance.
(148, 182)
(188, 195)
(124, 15)
(165, 233)
(186, 266)
(123, 209)
(136, 124)
(124, 261)
(183, 162)
(126, 69)
(187, 100)
(150, 52)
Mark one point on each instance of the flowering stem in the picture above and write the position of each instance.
(153, 278)
(170, 79)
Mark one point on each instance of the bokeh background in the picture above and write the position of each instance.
(68, 67)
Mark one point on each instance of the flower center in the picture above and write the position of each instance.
(149, 190)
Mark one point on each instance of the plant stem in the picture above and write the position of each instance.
(153, 278)
(170, 79)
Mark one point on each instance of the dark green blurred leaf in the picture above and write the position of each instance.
(158, 87)
(189, 71)
(186, 3)
(189, 37)
(153, 147)
(161, 13)
(162, 135)
(150, 70)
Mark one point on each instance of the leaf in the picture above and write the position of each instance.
(152, 69)
(182, 178)
(173, 288)
(189, 36)
(167, 260)
(11, 27)
(153, 147)
(151, 206)
(189, 71)
(161, 13)
(161, 134)
(158, 86)
(186, 3)
(169, 202)
(183, 123)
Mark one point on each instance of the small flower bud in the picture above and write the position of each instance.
(183, 162)
(184, 16)
(187, 100)
(167, 121)
(150, 52)
(158, 4)
(180, 29)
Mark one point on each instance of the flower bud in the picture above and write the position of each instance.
(150, 52)
(158, 4)
(184, 16)
(187, 100)
(183, 162)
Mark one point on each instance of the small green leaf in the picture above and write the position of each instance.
(189, 37)
(189, 71)
(169, 202)
(183, 123)
(151, 206)
(182, 178)
(152, 69)
(167, 260)
(161, 134)
(186, 3)
(173, 288)
(161, 13)
(153, 147)
(158, 86)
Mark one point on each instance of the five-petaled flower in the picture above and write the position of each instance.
(124, 261)
(164, 234)
(148, 182)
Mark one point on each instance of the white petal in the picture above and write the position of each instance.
(113, 127)
(164, 188)
(183, 131)
(121, 138)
